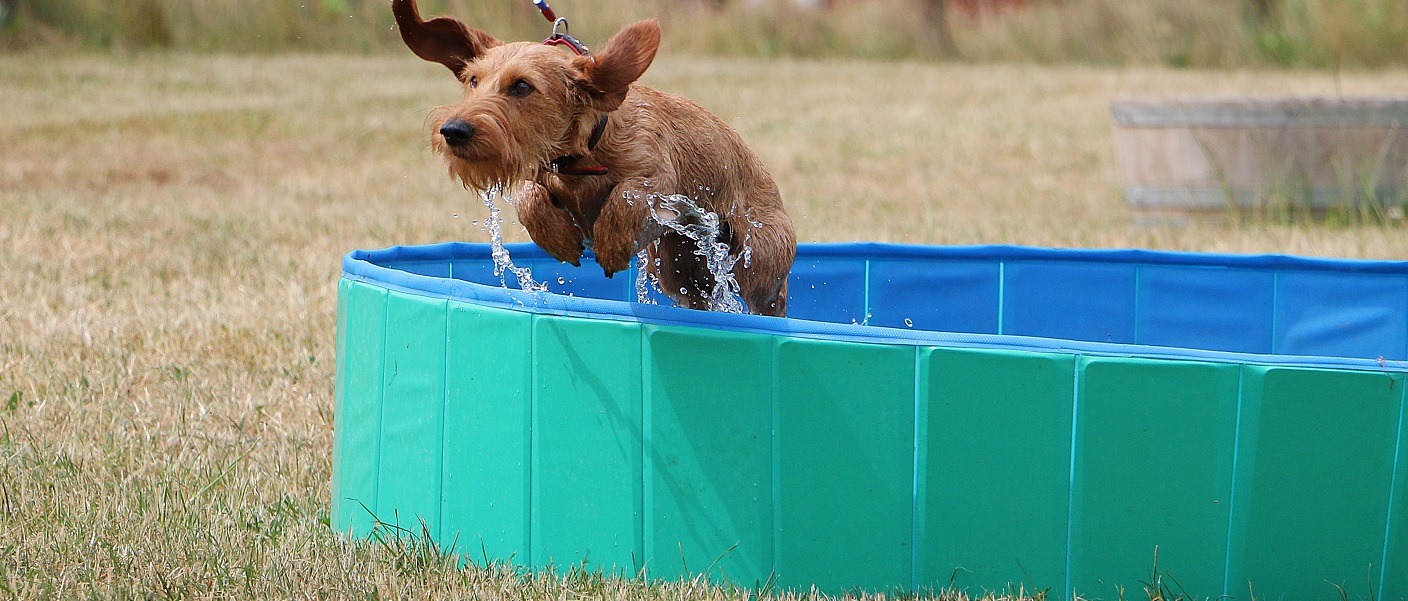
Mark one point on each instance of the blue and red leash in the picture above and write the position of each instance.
(546, 10)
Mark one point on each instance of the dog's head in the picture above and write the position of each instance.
(525, 103)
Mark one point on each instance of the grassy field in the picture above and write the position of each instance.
(170, 234)
(1179, 33)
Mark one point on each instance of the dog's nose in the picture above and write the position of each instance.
(456, 132)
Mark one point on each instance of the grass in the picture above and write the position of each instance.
(1179, 33)
(170, 243)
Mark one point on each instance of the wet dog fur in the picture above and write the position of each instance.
(586, 154)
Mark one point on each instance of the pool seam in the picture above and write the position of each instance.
(444, 427)
(1001, 298)
(865, 317)
(445, 420)
(1232, 491)
(919, 495)
(1393, 485)
(647, 462)
(1071, 482)
(1275, 309)
(380, 409)
(774, 478)
(533, 502)
(1134, 334)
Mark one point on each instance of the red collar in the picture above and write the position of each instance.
(563, 165)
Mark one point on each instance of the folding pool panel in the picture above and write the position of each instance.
(977, 418)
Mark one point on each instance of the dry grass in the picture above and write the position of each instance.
(1200, 33)
(170, 236)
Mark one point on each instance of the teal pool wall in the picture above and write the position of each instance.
(1004, 417)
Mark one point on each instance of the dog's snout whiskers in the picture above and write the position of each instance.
(457, 132)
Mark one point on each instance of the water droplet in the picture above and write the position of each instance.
(908, 323)
(561, 280)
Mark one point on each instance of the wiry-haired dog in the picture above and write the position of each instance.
(588, 155)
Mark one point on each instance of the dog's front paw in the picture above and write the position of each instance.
(550, 228)
(619, 231)
(565, 251)
(613, 257)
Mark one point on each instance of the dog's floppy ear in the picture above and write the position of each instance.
(441, 40)
(622, 61)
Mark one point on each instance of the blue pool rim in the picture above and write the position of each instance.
(368, 266)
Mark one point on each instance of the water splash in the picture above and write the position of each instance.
(682, 215)
(678, 213)
(503, 264)
(646, 280)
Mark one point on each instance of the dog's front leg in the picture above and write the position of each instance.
(550, 227)
(620, 231)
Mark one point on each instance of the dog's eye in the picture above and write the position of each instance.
(520, 89)
(473, 81)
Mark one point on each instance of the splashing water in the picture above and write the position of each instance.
(645, 280)
(683, 216)
(677, 212)
(748, 248)
(502, 262)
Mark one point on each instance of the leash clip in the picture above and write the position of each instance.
(559, 37)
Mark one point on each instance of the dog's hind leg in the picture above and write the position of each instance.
(762, 279)
(682, 275)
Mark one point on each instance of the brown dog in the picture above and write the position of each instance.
(588, 157)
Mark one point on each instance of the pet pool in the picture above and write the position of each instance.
(976, 417)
